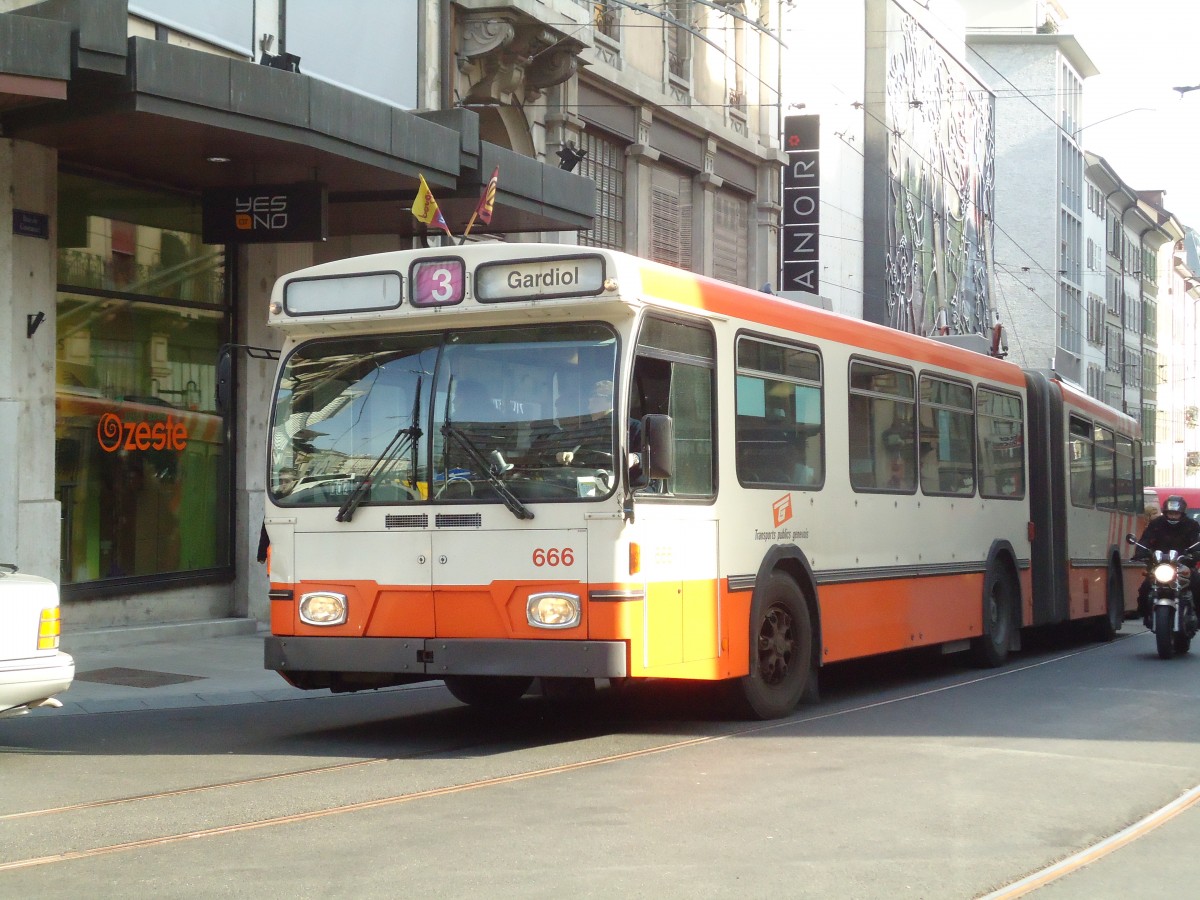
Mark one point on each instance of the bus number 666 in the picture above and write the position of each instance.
(553, 557)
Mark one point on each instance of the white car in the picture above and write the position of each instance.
(32, 668)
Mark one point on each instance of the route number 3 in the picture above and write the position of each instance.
(553, 557)
(437, 282)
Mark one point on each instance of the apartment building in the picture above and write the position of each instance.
(1178, 429)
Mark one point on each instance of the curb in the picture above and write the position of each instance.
(138, 635)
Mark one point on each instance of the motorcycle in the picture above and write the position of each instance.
(1172, 607)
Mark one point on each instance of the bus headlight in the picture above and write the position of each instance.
(553, 610)
(323, 608)
(1164, 573)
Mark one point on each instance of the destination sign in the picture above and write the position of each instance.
(542, 279)
(342, 294)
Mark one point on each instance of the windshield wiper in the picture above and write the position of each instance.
(403, 439)
(493, 472)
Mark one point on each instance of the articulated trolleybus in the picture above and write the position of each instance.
(501, 462)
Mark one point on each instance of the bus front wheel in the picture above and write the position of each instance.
(780, 652)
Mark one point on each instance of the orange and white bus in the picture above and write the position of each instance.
(535, 461)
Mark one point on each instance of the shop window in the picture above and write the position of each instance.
(142, 466)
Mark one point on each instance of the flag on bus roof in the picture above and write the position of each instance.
(426, 210)
(487, 202)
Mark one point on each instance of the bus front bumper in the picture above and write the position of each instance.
(435, 657)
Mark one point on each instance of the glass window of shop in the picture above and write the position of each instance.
(142, 465)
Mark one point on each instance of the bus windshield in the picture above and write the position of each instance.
(486, 415)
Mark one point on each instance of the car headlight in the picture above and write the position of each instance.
(1164, 573)
(323, 608)
(553, 610)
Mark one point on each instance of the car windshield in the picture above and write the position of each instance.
(447, 416)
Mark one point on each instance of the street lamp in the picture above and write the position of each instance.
(1184, 90)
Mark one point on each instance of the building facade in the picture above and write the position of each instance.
(165, 162)
(897, 130)
(1179, 357)
(1037, 75)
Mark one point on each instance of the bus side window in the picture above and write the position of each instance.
(1079, 458)
(1105, 451)
(1000, 424)
(778, 427)
(947, 417)
(881, 428)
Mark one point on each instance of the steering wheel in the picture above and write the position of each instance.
(601, 459)
(456, 479)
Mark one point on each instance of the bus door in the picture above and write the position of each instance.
(676, 524)
(679, 565)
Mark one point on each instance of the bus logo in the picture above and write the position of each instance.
(115, 434)
(782, 509)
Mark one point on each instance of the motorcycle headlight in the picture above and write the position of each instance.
(553, 610)
(323, 608)
(1164, 573)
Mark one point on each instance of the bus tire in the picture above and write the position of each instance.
(781, 647)
(487, 690)
(999, 602)
(1109, 624)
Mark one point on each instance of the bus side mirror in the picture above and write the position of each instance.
(224, 378)
(658, 446)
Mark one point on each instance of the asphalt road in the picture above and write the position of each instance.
(915, 776)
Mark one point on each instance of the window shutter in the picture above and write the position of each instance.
(671, 219)
(730, 245)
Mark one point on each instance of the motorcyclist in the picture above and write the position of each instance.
(1173, 530)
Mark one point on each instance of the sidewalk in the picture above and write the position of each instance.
(170, 666)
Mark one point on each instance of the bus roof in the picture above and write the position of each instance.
(633, 280)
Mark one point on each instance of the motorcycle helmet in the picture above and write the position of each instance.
(1174, 509)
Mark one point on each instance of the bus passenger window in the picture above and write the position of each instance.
(947, 437)
(1105, 449)
(778, 428)
(1001, 438)
(1079, 458)
(1129, 493)
(882, 429)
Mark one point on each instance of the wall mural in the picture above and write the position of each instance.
(941, 178)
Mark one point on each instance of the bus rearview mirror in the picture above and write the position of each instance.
(658, 444)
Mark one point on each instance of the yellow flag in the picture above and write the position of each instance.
(425, 208)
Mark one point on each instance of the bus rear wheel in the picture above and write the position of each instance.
(780, 652)
(999, 601)
(1108, 625)
(487, 690)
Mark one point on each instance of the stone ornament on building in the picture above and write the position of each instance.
(509, 58)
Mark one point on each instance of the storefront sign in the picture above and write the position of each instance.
(115, 433)
(266, 214)
(31, 224)
(801, 231)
